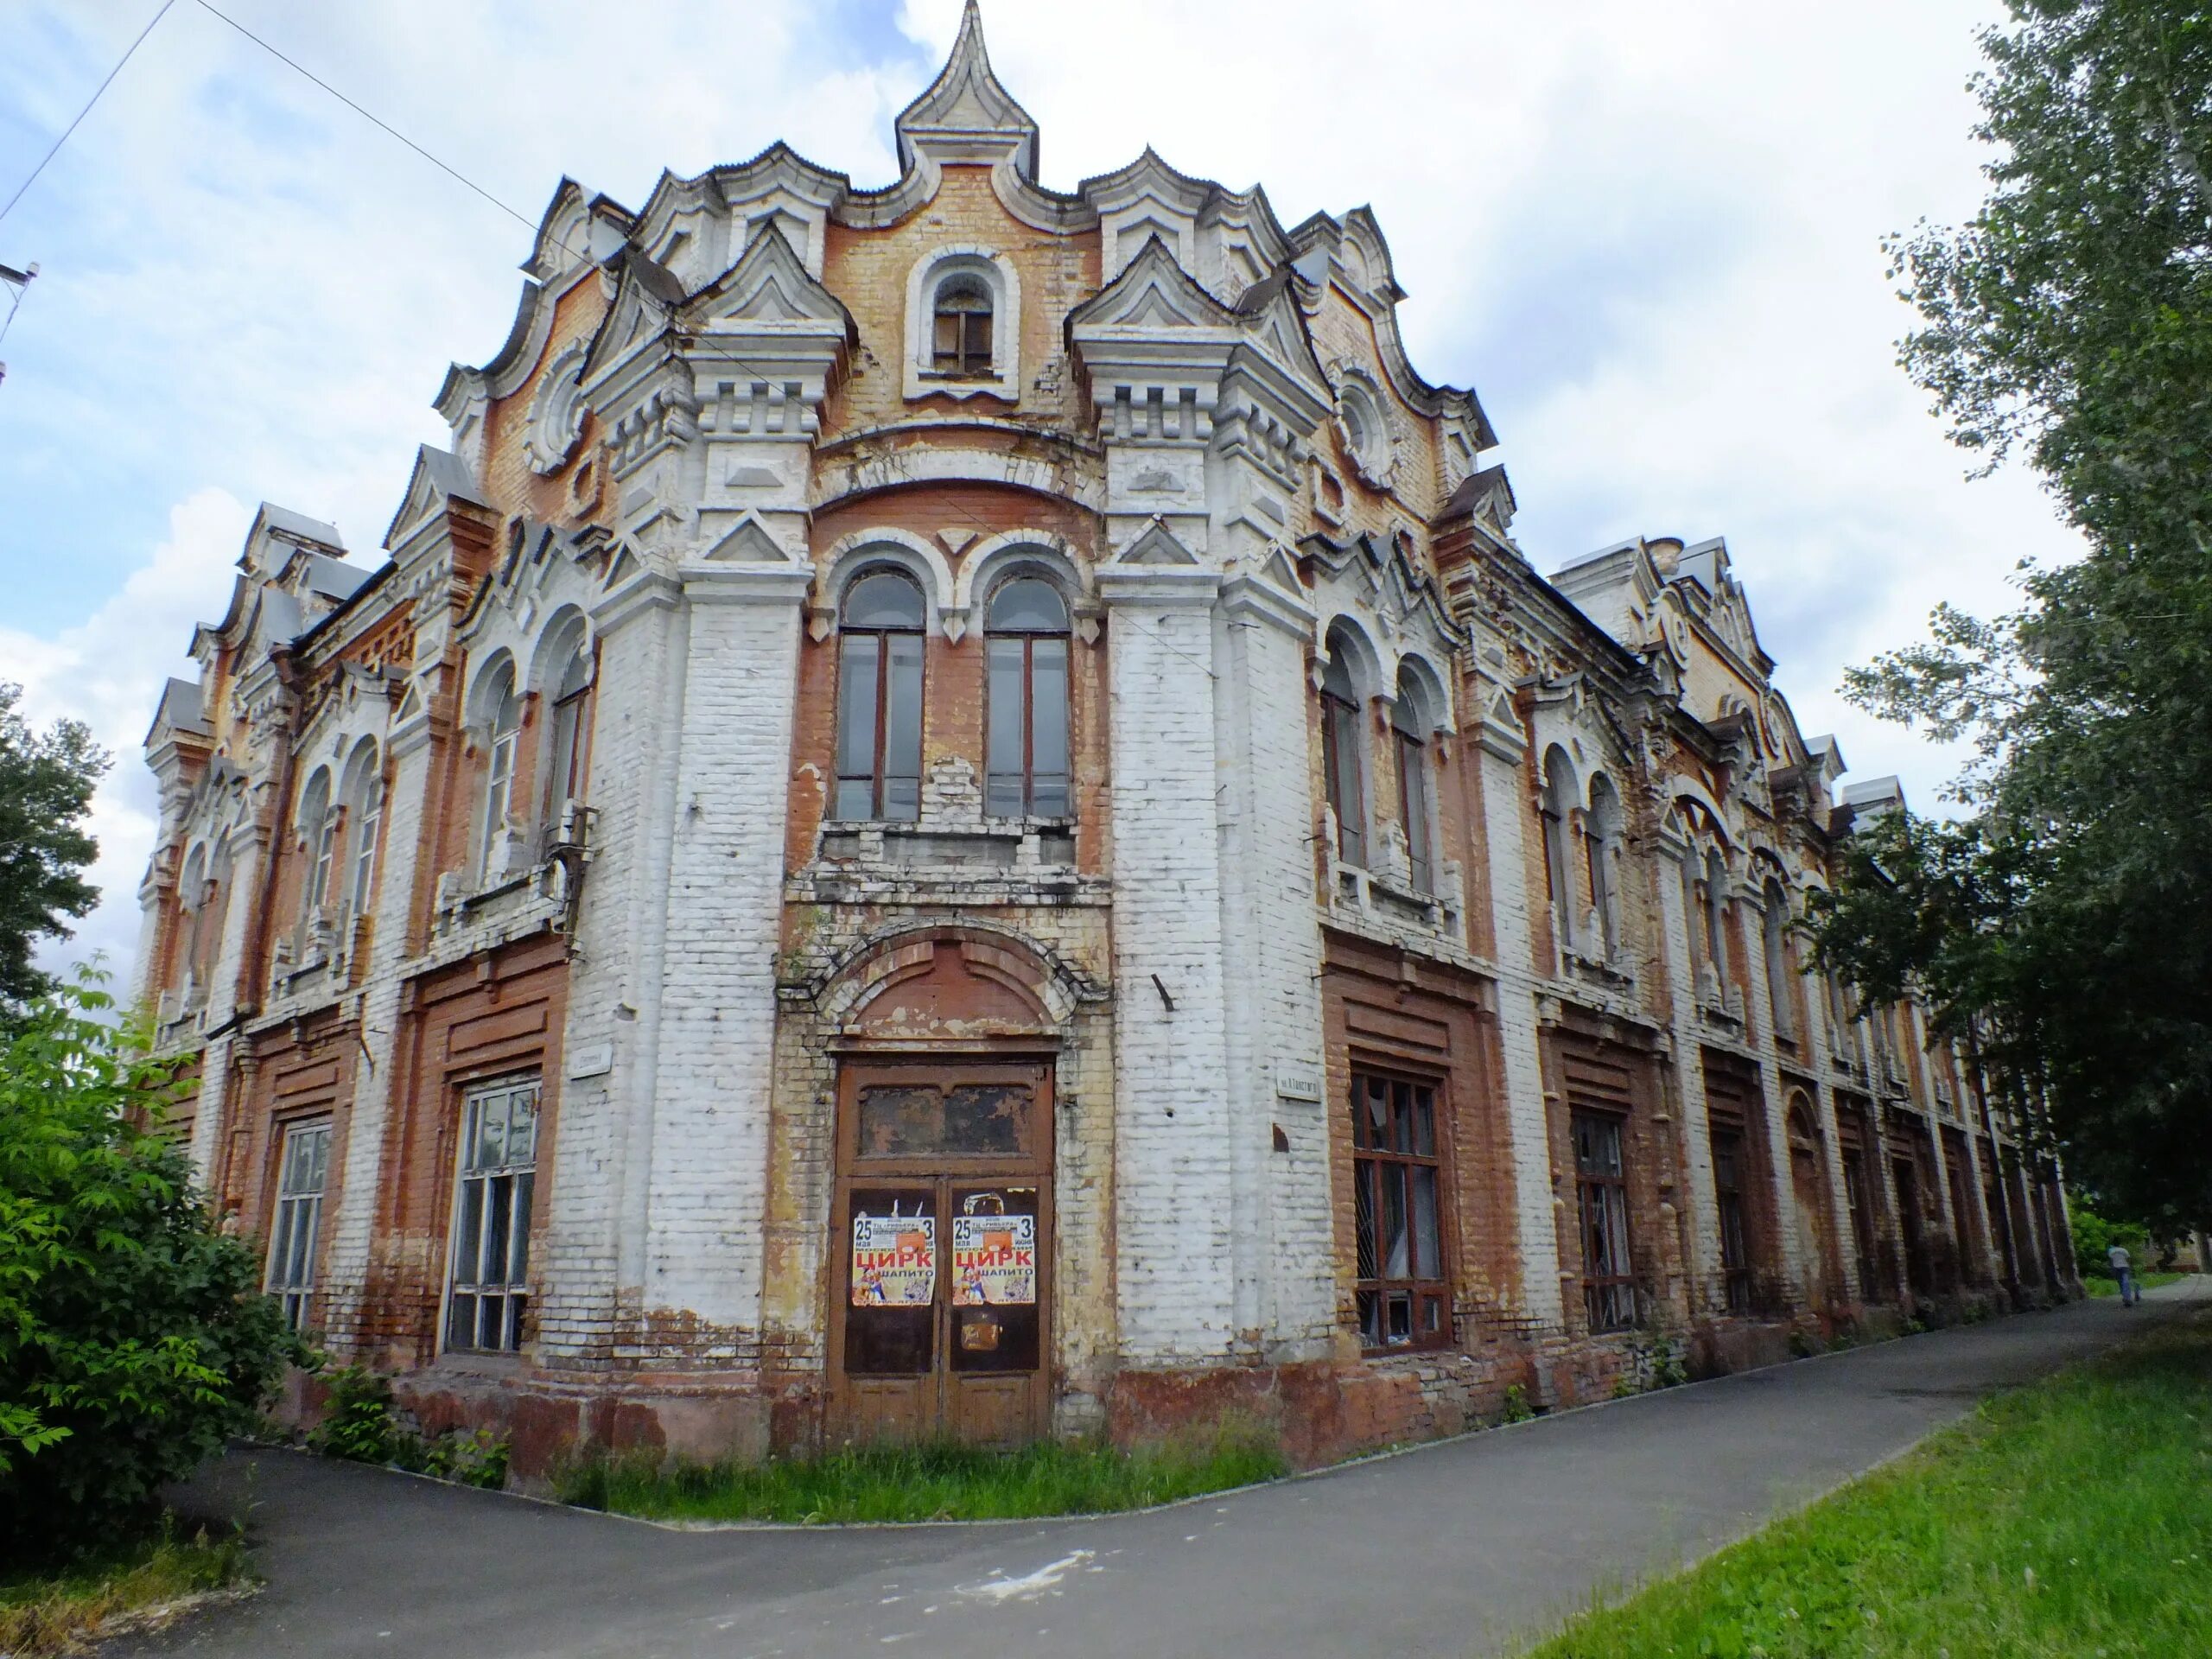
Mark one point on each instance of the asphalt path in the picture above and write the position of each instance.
(1465, 1548)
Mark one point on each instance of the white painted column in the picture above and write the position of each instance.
(1271, 942)
(708, 1166)
(1175, 1130)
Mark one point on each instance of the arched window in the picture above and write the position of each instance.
(502, 717)
(879, 697)
(192, 905)
(1602, 844)
(1838, 1012)
(364, 802)
(1693, 909)
(1558, 868)
(960, 344)
(318, 844)
(1716, 912)
(1341, 772)
(1026, 762)
(1780, 971)
(1416, 812)
(1415, 815)
(567, 736)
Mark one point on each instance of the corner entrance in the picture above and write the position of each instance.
(941, 1252)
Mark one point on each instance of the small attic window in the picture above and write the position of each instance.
(962, 342)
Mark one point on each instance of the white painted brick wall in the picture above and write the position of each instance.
(1535, 1214)
(1174, 1189)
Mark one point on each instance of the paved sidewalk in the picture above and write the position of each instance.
(1452, 1549)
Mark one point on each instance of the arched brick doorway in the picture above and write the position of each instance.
(941, 1222)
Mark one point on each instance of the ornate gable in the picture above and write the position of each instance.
(965, 115)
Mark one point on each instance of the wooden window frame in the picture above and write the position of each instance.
(295, 1229)
(878, 779)
(1605, 1295)
(362, 888)
(965, 302)
(480, 1183)
(1026, 639)
(1731, 1212)
(1425, 1297)
(1416, 806)
(569, 731)
(1341, 774)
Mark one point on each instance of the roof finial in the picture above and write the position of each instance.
(965, 116)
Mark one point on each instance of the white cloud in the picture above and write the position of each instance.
(1647, 235)
(108, 672)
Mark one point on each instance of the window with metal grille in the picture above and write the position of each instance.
(491, 1232)
(961, 343)
(880, 698)
(1728, 1200)
(1026, 763)
(299, 1218)
(1601, 1192)
(1397, 1199)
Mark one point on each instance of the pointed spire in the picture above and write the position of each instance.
(965, 115)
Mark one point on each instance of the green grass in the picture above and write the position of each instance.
(935, 1481)
(2073, 1517)
(2098, 1284)
(52, 1612)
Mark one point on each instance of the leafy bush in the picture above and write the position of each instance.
(2095, 1235)
(134, 1337)
(359, 1425)
(1515, 1408)
(357, 1422)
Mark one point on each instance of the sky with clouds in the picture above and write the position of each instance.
(1648, 236)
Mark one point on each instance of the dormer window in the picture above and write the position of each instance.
(963, 332)
(962, 345)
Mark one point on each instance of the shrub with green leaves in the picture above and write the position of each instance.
(134, 1337)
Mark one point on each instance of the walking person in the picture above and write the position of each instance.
(2121, 1270)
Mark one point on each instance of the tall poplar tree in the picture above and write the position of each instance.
(2064, 922)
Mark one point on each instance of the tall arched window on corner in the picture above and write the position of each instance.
(1559, 867)
(1716, 913)
(502, 717)
(368, 825)
(1026, 762)
(569, 735)
(1781, 974)
(318, 844)
(1340, 767)
(1602, 844)
(192, 906)
(1416, 816)
(879, 697)
(960, 344)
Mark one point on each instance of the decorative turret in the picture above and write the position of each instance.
(965, 116)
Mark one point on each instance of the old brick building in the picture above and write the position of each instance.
(954, 810)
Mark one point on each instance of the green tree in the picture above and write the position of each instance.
(134, 1337)
(2070, 323)
(47, 780)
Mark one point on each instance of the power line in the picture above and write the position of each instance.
(455, 173)
(87, 110)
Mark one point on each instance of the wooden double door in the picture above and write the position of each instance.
(941, 1244)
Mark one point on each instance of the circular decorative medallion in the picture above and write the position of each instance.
(556, 413)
